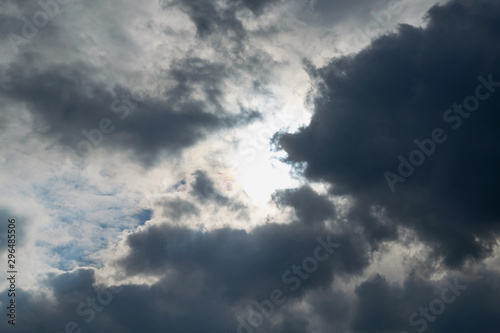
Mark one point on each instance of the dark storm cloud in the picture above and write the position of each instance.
(452, 304)
(191, 303)
(309, 206)
(369, 109)
(65, 101)
(204, 278)
(71, 292)
(83, 307)
(239, 263)
(67, 284)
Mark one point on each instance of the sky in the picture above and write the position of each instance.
(250, 166)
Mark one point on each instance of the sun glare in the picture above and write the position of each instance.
(263, 175)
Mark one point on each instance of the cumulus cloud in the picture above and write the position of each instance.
(388, 222)
(65, 102)
(370, 108)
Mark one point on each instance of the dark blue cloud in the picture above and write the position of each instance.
(370, 108)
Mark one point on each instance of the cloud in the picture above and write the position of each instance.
(208, 279)
(308, 205)
(65, 101)
(177, 208)
(160, 209)
(451, 304)
(205, 278)
(369, 108)
(324, 12)
(240, 263)
(211, 17)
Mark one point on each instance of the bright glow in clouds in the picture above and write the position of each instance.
(264, 175)
(259, 169)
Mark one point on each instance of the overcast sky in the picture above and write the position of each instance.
(251, 165)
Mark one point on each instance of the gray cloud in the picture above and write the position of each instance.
(65, 101)
(309, 206)
(418, 305)
(177, 208)
(211, 17)
(370, 107)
